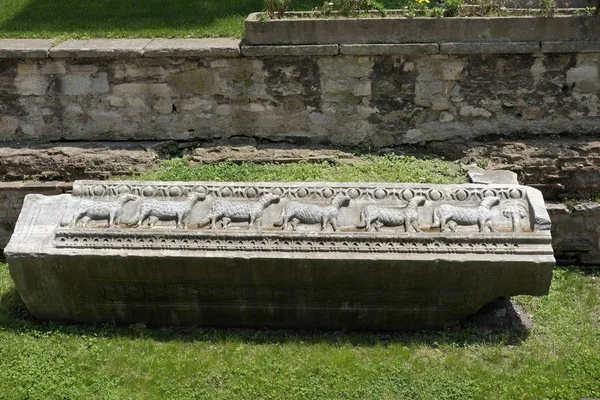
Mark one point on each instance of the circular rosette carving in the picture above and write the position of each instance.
(460, 195)
(515, 193)
(175, 191)
(489, 193)
(434, 195)
(226, 192)
(327, 193)
(380, 194)
(149, 191)
(98, 190)
(407, 194)
(251, 193)
(353, 193)
(301, 193)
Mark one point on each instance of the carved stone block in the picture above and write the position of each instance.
(166, 259)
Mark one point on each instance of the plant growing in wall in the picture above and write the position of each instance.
(276, 8)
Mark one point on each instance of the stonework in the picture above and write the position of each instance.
(576, 233)
(404, 274)
(381, 99)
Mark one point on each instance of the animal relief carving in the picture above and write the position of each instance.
(178, 211)
(312, 214)
(98, 210)
(374, 216)
(228, 211)
(481, 215)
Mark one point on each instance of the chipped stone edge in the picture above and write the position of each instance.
(205, 48)
(540, 213)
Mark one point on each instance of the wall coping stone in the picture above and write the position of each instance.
(228, 47)
(291, 50)
(384, 49)
(100, 48)
(24, 48)
(213, 47)
(490, 48)
(571, 47)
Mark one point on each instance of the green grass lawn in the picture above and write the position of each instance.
(67, 19)
(557, 358)
(387, 168)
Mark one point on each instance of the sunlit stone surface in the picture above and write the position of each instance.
(280, 255)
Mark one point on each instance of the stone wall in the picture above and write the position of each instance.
(576, 233)
(11, 201)
(382, 95)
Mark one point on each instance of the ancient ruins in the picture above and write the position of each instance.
(293, 255)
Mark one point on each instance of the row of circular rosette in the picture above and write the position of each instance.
(459, 194)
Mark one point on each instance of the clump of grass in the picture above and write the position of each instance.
(387, 168)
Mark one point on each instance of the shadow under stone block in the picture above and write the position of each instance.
(279, 255)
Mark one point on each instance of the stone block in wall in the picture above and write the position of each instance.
(576, 233)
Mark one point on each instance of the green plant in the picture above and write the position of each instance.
(548, 8)
(276, 8)
(590, 7)
(452, 7)
(351, 8)
(436, 12)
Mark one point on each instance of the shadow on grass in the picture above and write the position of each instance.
(499, 322)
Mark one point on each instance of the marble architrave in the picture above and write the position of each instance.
(281, 255)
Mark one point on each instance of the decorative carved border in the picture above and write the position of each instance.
(310, 191)
(303, 243)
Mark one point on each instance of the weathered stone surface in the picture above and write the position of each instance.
(206, 47)
(576, 233)
(227, 275)
(418, 30)
(12, 195)
(24, 48)
(374, 49)
(493, 177)
(76, 160)
(489, 48)
(571, 47)
(100, 48)
(271, 152)
(272, 51)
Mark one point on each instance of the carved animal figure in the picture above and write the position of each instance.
(178, 211)
(480, 215)
(312, 214)
(373, 216)
(227, 211)
(97, 209)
